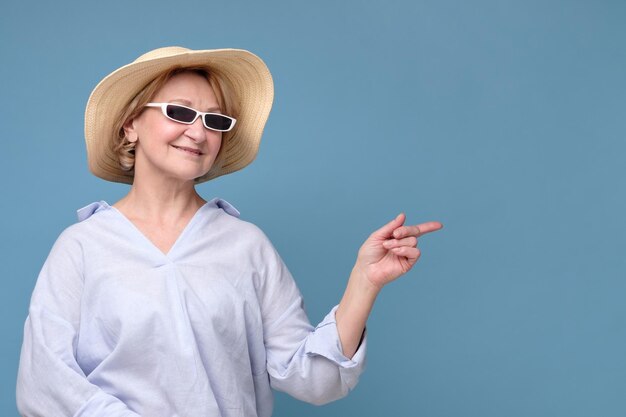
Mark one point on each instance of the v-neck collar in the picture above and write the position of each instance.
(179, 238)
(141, 236)
(87, 211)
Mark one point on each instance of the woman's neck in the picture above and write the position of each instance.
(160, 201)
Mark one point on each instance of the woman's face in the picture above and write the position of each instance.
(170, 149)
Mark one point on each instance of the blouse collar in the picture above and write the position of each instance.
(86, 212)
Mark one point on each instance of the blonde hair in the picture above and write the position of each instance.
(224, 93)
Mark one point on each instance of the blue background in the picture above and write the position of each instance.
(504, 120)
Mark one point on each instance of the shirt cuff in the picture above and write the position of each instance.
(326, 343)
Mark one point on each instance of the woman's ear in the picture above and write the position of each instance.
(130, 131)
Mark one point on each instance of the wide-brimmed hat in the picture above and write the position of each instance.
(247, 73)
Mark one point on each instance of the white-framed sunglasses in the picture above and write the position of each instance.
(187, 115)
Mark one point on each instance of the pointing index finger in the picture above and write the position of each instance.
(416, 230)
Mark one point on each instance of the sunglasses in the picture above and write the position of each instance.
(187, 115)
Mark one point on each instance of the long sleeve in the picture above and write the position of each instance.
(303, 361)
(50, 382)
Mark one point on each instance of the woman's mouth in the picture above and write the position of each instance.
(188, 150)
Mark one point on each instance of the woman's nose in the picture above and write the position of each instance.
(196, 131)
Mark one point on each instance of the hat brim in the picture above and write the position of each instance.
(246, 72)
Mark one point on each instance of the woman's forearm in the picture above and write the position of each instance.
(353, 311)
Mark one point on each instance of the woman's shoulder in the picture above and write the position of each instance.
(88, 220)
(229, 224)
(96, 214)
(230, 218)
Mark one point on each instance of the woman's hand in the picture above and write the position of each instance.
(391, 251)
(388, 253)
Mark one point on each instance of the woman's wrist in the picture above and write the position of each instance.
(361, 282)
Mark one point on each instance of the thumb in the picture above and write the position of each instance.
(386, 231)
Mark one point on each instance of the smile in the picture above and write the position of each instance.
(188, 150)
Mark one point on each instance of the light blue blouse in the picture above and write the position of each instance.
(117, 328)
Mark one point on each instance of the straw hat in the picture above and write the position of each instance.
(246, 72)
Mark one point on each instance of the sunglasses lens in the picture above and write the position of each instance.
(218, 122)
(181, 114)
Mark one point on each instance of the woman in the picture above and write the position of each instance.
(164, 304)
